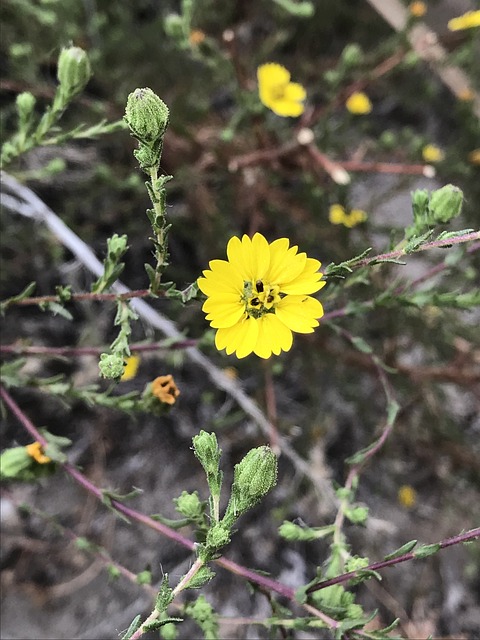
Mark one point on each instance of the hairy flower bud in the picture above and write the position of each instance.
(446, 203)
(25, 104)
(254, 476)
(189, 505)
(147, 116)
(73, 71)
(206, 449)
(111, 365)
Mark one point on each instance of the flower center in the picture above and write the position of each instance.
(260, 298)
(277, 92)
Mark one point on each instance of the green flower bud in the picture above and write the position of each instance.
(146, 115)
(420, 199)
(253, 477)
(173, 25)
(189, 505)
(144, 577)
(354, 563)
(25, 104)
(73, 71)
(206, 449)
(111, 365)
(352, 55)
(446, 203)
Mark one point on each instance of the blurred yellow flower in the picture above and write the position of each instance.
(257, 297)
(465, 95)
(432, 153)
(276, 92)
(338, 215)
(358, 103)
(474, 156)
(417, 9)
(407, 496)
(165, 389)
(466, 21)
(35, 451)
(131, 367)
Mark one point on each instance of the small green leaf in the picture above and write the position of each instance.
(361, 345)
(134, 626)
(426, 550)
(26, 293)
(406, 548)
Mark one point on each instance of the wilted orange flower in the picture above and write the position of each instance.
(196, 36)
(474, 156)
(35, 451)
(165, 389)
(417, 9)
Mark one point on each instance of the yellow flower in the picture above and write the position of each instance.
(257, 297)
(359, 103)
(165, 389)
(431, 153)
(417, 9)
(465, 95)
(131, 367)
(276, 92)
(35, 451)
(466, 21)
(356, 216)
(338, 215)
(407, 496)
(474, 156)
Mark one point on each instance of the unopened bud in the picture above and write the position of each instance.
(73, 71)
(189, 505)
(446, 203)
(253, 477)
(147, 116)
(206, 449)
(25, 104)
(352, 55)
(111, 365)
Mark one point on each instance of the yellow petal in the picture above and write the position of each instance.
(223, 314)
(240, 338)
(299, 313)
(285, 263)
(273, 337)
(272, 73)
(287, 108)
(295, 92)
